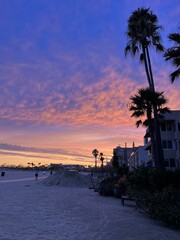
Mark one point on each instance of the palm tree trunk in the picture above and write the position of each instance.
(95, 163)
(150, 70)
(153, 143)
(159, 151)
(160, 156)
(146, 66)
(151, 131)
(102, 166)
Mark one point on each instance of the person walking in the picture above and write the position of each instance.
(36, 174)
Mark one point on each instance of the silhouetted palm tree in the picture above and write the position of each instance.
(142, 106)
(143, 32)
(95, 154)
(173, 55)
(101, 158)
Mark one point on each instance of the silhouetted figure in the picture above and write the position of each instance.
(36, 174)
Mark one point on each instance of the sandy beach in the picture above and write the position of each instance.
(31, 210)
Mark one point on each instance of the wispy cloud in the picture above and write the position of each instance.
(42, 155)
(60, 101)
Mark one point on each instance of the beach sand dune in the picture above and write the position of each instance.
(68, 178)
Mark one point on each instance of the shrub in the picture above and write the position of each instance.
(106, 187)
(162, 179)
(140, 179)
(157, 193)
(165, 205)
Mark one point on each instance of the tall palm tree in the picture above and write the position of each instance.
(142, 106)
(143, 32)
(101, 158)
(95, 154)
(173, 55)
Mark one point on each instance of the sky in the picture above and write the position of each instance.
(65, 82)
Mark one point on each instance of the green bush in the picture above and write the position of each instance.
(141, 179)
(157, 193)
(165, 205)
(153, 180)
(106, 187)
(163, 179)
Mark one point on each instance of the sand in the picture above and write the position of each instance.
(32, 210)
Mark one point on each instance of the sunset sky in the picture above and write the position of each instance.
(65, 83)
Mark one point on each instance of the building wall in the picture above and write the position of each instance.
(138, 157)
(123, 153)
(170, 136)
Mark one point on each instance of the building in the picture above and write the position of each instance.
(122, 154)
(76, 167)
(138, 157)
(67, 166)
(170, 137)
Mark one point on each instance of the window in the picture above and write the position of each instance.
(163, 127)
(166, 126)
(167, 144)
(178, 126)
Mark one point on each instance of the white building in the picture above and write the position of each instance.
(138, 157)
(170, 137)
(123, 154)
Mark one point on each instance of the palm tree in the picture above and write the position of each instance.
(101, 158)
(173, 55)
(143, 32)
(95, 154)
(142, 106)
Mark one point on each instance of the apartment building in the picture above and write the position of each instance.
(170, 137)
(138, 157)
(123, 154)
